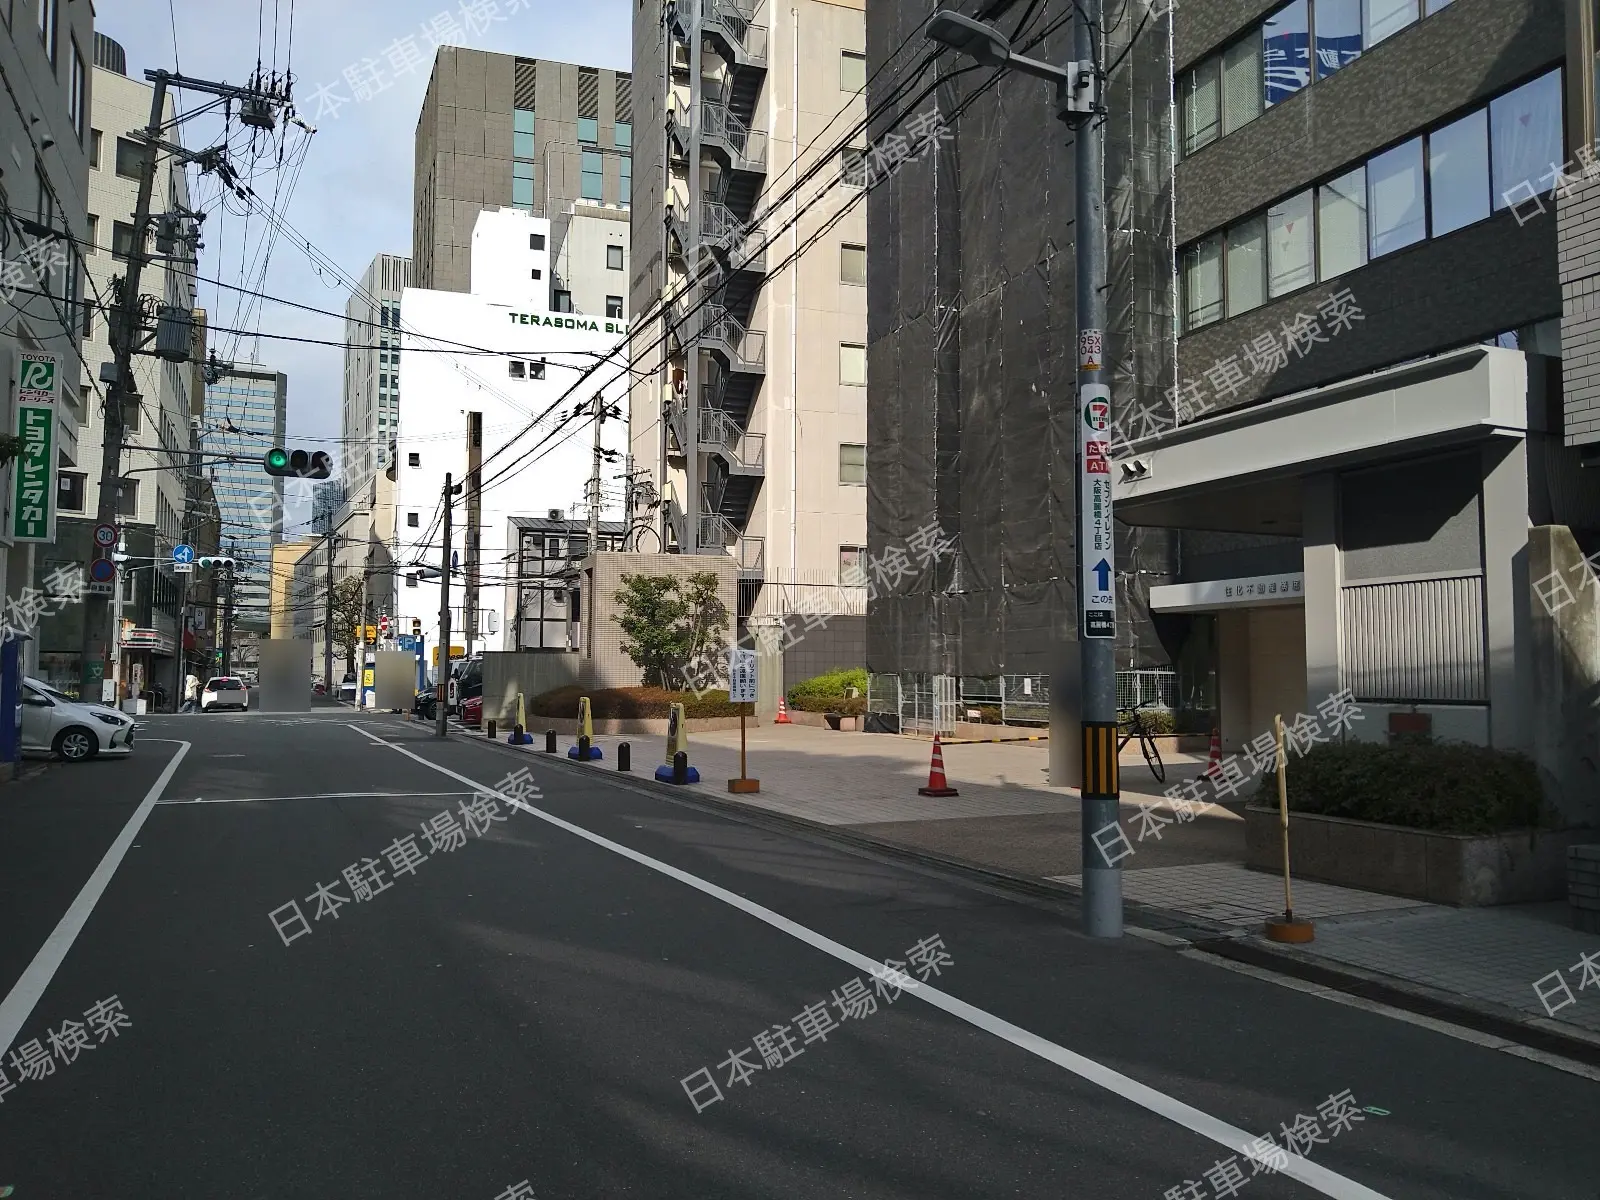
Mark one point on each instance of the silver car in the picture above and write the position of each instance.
(55, 723)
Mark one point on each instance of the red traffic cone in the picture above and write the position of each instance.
(937, 784)
(1214, 763)
(783, 712)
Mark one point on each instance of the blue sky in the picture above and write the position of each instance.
(352, 199)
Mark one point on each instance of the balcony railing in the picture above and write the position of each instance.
(750, 145)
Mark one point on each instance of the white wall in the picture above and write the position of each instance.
(504, 260)
(583, 262)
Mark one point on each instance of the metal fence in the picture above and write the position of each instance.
(920, 704)
(1159, 689)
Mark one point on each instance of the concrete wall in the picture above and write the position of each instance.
(1578, 226)
(1565, 652)
(602, 637)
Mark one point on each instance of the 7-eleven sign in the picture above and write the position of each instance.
(33, 489)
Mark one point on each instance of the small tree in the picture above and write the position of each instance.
(346, 621)
(652, 621)
(707, 623)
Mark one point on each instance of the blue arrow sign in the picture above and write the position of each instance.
(1102, 570)
(183, 554)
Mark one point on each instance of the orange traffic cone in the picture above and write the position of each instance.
(783, 712)
(937, 784)
(1214, 763)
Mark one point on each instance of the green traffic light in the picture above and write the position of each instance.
(277, 460)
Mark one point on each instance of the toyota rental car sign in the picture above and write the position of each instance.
(33, 495)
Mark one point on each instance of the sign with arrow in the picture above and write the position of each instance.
(182, 553)
(1096, 547)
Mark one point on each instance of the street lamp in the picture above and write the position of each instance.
(1078, 103)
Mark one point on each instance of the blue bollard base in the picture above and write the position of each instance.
(513, 740)
(664, 774)
(595, 753)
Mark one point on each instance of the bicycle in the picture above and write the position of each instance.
(1136, 727)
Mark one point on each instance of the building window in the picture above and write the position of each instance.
(622, 135)
(625, 179)
(1342, 224)
(1202, 100)
(1202, 283)
(613, 308)
(853, 264)
(522, 185)
(95, 140)
(589, 131)
(517, 368)
(1337, 30)
(853, 167)
(1286, 52)
(1388, 17)
(536, 241)
(132, 420)
(1243, 86)
(1395, 213)
(522, 134)
(1458, 174)
(94, 235)
(852, 564)
(70, 491)
(128, 497)
(412, 577)
(852, 463)
(1291, 248)
(413, 520)
(535, 274)
(562, 302)
(613, 258)
(536, 369)
(592, 182)
(1247, 266)
(77, 92)
(1526, 139)
(130, 157)
(853, 365)
(413, 459)
(49, 16)
(852, 71)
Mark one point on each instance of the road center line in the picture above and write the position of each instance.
(20, 1002)
(1329, 1183)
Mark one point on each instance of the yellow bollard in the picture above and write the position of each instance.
(1288, 929)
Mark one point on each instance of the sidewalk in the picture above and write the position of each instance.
(1009, 820)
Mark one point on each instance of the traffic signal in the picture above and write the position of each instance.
(208, 563)
(297, 464)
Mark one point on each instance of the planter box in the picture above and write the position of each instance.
(1444, 868)
(841, 722)
(1583, 887)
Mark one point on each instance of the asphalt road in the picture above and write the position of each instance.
(525, 1006)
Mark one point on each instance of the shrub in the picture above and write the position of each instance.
(1159, 721)
(1446, 788)
(631, 704)
(828, 692)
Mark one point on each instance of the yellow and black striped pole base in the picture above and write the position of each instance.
(1100, 776)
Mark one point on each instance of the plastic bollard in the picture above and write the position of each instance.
(680, 767)
(624, 757)
(489, 730)
(549, 741)
(583, 749)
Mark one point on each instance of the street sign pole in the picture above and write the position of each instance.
(742, 691)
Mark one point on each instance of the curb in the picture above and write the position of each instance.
(1161, 927)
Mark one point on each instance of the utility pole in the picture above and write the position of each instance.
(227, 621)
(442, 675)
(361, 647)
(124, 333)
(181, 671)
(119, 556)
(594, 475)
(1079, 86)
(472, 558)
(327, 627)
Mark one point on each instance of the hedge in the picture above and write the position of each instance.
(631, 704)
(1443, 787)
(826, 693)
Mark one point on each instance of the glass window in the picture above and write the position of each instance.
(1435, 5)
(852, 463)
(121, 238)
(1342, 224)
(852, 565)
(1241, 82)
(1388, 17)
(1525, 132)
(70, 491)
(853, 167)
(49, 14)
(522, 133)
(613, 258)
(1201, 106)
(1291, 248)
(593, 182)
(95, 139)
(1338, 34)
(130, 155)
(1394, 198)
(622, 135)
(625, 178)
(522, 185)
(853, 365)
(853, 265)
(413, 520)
(78, 92)
(1247, 265)
(589, 130)
(1202, 283)
(94, 234)
(414, 458)
(1286, 52)
(516, 368)
(522, 120)
(614, 308)
(852, 71)
(536, 241)
(1458, 174)
(128, 499)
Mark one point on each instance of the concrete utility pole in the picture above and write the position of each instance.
(472, 559)
(594, 474)
(227, 620)
(1078, 102)
(181, 669)
(124, 333)
(442, 675)
(327, 626)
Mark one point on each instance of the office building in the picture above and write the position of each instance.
(245, 409)
(498, 131)
(371, 367)
(157, 430)
(750, 394)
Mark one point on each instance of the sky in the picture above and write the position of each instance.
(352, 198)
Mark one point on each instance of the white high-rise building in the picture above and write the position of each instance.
(372, 366)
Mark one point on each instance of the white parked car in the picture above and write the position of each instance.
(55, 723)
(225, 691)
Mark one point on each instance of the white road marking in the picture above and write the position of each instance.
(20, 1002)
(315, 796)
(1329, 1183)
